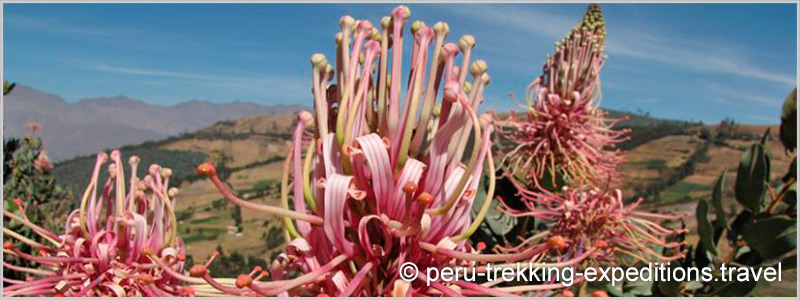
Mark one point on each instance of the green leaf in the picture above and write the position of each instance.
(7, 87)
(772, 237)
(792, 174)
(751, 178)
(498, 222)
(738, 224)
(765, 137)
(716, 198)
(733, 288)
(704, 227)
(791, 196)
(788, 131)
(668, 288)
(789, 263)
(637, 288)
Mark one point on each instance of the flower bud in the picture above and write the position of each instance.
(347, 22)
(416, 26)
(466, 42)
(479, 67)
(441, 28)
(318, 60)
(386, 22)
(306, 118)
(206, 169)
(243, 280)
(401, 13)
(133, 160)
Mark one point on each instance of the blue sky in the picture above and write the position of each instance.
(682, 61)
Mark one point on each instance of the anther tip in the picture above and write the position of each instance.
(144, 278)
(450, 49)
(318, 60)
(441, 28)
(148, 251)
(486, 78)
(243, 280)
(416, 26)
(346, 22)
(373, 45)
(425, 198)
(557, 242)
(386, 21)
(166, 172)
(206, 169)
(306, 118)
(479, 67)
(486, 119)
(198, 270)
(410, 187)
(466, 42)
(172, 192)
(481, 246)
(602, 244)
(365, 25)
(401, 12)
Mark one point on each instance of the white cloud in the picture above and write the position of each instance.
(727, 94)
(640, 43)
(278, 87)
(537, 22)
(691, 54)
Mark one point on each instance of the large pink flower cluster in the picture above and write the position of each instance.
(561, 161)
(599, 226)
(387, 177)
(119, 243)
(564, 137)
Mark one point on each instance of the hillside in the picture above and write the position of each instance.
(670, 163)
(249, 150)
(90, 125)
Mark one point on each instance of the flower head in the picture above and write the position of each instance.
(42, 162)
(121, 242)
(387, 176)
(587, 221)
(564, 136)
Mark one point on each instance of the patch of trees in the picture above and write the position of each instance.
(645, 128)
(674, 175)
(75, 174)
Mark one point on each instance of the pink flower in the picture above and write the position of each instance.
(387, 177)
(42, 162)
(598, 225)
(565, 138)
(121, 242)
(34, 126)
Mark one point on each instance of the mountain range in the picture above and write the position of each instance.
(94, 124)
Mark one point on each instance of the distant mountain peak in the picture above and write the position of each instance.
(97, 123)
(115, 100)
